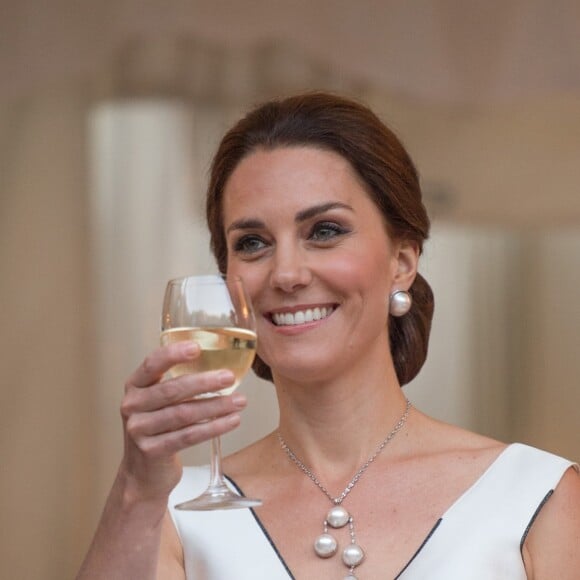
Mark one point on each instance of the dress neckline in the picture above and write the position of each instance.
(462, 497)
(448, 511)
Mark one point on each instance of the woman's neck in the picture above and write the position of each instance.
(334, 426)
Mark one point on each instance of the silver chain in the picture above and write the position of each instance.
(339, 499)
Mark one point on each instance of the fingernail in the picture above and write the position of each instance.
(239, 400)
(226, 378)
(190, 349)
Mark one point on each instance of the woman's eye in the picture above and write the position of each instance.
(249, 244)
(324, 231)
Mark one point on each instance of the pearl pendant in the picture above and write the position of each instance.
(337, 517)
(353, 555)
(325, 546)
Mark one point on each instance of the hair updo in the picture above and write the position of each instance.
(353, 131)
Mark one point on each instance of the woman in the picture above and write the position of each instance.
(317, 206)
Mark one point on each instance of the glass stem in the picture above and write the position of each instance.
(216, 481)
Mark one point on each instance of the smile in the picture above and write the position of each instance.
(301, 316)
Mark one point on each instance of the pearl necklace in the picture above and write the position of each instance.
(326, 545)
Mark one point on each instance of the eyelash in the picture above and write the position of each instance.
(332, 226)
(241, 245)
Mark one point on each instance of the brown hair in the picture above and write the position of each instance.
(353, 131)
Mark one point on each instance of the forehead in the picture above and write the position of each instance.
(288, 178)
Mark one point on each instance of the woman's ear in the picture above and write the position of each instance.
(407, 259)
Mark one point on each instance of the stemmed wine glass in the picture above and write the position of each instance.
(215, 312)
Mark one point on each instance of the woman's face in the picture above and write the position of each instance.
(313, 251)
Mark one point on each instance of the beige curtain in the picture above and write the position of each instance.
(467, 377)
(547, 411)
(48, 396)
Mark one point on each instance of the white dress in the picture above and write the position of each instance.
(479, 537)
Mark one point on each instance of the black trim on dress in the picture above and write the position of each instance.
(264, 531)
(420, 547)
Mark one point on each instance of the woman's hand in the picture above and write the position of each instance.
(161, 417)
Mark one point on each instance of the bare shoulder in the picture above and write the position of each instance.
(441, 440)
(551, 548)
(171, 562)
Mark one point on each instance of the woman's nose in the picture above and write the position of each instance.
(289, 270)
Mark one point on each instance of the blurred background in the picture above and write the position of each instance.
(109, 113)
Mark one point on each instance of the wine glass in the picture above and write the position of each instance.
(215, 312)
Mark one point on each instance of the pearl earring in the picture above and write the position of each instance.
(400, 303)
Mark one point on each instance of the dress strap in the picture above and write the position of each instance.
(481, 534)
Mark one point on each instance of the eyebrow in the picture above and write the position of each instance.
(301, 216)
(310, 212)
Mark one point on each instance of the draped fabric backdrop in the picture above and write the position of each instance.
(109, 114)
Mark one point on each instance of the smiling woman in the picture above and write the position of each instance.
(370, 155)
(316, 205)
(316, 241)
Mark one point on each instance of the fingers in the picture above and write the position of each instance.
(177, 417)
(160, 361)
(167, 444)
(163, 417)
(173, 391)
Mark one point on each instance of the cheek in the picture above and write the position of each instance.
(360, 268)
(251, 277)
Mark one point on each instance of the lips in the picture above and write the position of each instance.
(301, 316)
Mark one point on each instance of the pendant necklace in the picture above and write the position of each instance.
(325, 546)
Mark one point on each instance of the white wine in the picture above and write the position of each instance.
(221, 348)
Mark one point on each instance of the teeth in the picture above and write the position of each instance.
(300, 317)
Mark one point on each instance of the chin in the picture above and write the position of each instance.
(302, 372)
